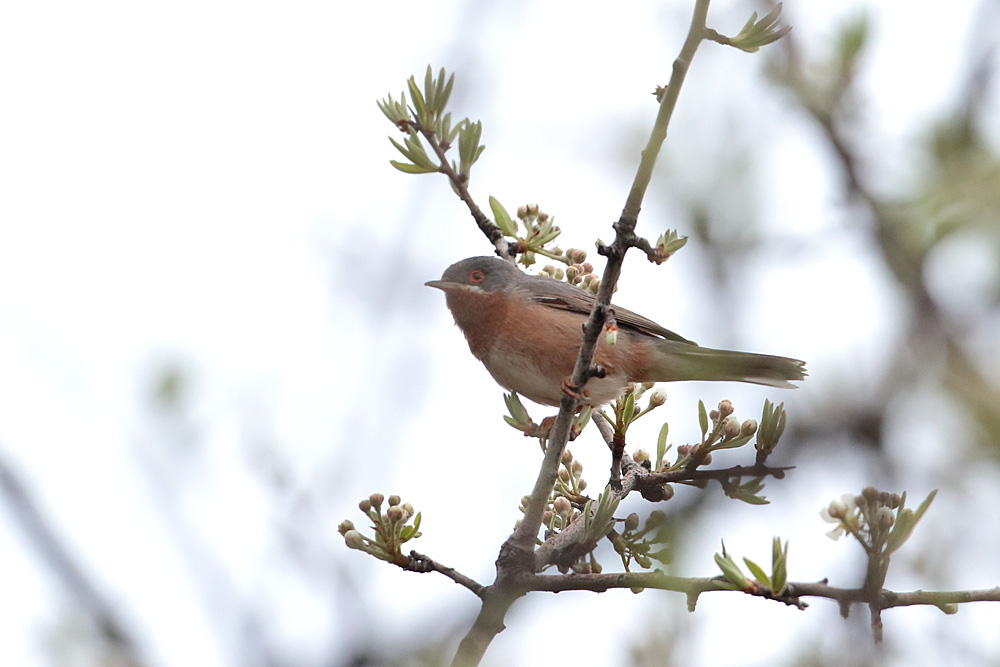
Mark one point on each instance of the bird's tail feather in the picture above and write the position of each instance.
(679, 361)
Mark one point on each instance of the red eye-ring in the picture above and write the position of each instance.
(477, 276)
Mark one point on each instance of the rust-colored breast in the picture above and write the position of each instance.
(480, 316)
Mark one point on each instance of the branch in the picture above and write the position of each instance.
(790, 595)
(421, 563)
(55, 554)
(516, 554)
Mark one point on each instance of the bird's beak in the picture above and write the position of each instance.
(445, 285)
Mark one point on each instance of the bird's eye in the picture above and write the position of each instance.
(477, 276)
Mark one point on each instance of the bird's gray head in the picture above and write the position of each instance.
(489, 274)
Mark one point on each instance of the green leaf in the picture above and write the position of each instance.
(469, 149)
(732, 444)
(906, 521)
(502, 217)
(664, 555)
(758, 572)
(411, 168)
(513, 422)
(661, 445)
(779, 568)
(731, 571)
(419, 106)
(924, 505)
(628, 410)
(703, 419)
(516, 408)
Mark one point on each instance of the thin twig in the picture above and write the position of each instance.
(422, 563)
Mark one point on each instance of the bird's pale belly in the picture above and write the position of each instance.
(522, 374)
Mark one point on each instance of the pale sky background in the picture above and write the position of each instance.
(206, 185)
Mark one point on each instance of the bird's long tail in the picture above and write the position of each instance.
(682, 361)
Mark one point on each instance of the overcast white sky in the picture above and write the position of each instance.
(207, 184)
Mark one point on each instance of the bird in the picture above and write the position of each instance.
(527, 331)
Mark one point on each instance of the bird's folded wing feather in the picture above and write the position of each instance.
(556, 294)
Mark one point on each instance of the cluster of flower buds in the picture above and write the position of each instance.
(391, 528)
(636, 543)
(570, 482)
(878, 519)
(582, 275)
(731, 428)
(540, 226)
(568, 489)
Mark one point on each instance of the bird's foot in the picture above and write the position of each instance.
(574, 392)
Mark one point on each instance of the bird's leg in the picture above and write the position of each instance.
(574, 392)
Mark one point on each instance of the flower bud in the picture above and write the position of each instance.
(345, 527)
(395, 513)
(567, 457)
(725, 407)
(656, 517)
(632, 521)
(836, 509)
(394, 499)
(354, 539)
(658, 398)
(365, 505)
(376, 500)
(611, 336)
(563, 475)
(581, 485)
(749, 427)
(562, 507)
(884, 517)
(408, 508)
(640, 455)
(577, 468)
(731, 428)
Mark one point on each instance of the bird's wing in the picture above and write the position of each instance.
(557, 294)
